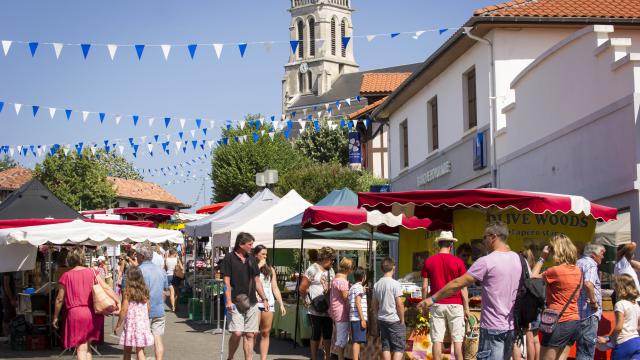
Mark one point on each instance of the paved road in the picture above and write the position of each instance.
(183, 340)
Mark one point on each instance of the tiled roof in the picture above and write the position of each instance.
(142, 190)
(14, 178)
(564, 8)
(366, 109)
(381, 83)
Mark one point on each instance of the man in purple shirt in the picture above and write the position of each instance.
(590, 301)
(499, 274)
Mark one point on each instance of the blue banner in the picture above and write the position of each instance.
(355, 148)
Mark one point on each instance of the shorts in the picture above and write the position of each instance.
(565, 334)
(342, 334)
(358, 333)
(272, 307)
(321, 327)
(393, 336)
(245, 323)
(447, 315)
(157, 326)
(173, 280)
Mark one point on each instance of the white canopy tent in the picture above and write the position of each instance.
(616, 232)
(184, 217)
(258, 204)
(202, 227)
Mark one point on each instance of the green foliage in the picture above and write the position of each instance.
(80, 182)
(325, 146)
(314, 182)
(7, 162)
(117, 166)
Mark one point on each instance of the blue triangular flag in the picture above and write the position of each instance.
(101, 117)
(181, 134)
(358, 98)
(184, 149)
(243, 48)
(394, 35)
(273, 117)
(85, 49)
(258, 124)
(309, 117)
(192, 49)
(290, 124)
(202, 146)
(33, 46)
(293, 114)
(350, 125)
(316, 124)
(345, 41)
(342, 123)
(367, 122)
(139, 50)
(255, 137)
(167, 120)
(204, 131)
(35, 109)
(131, 141)
(135, 154)
(155, 137)
(294, 45)
(286, 134)
(251, 124)
(228, 124)
(1, 105)
(194, 143)
(68, 113)
(198, 123)
(79, 148)
(135, 120)
(442, 31)
(135, 148)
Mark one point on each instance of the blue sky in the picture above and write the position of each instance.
(180, 87)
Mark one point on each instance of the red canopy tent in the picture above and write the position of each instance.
(213, 208)
(152, 214)
(440, 204)
(5, 224)
(342, 217)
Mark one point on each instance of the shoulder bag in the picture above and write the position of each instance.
(103, 304)
(320, 303)
(243, 301)
(550, 317)
(178, 271)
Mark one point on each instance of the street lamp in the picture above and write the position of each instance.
(267, 179)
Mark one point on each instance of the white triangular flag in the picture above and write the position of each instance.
(355, 123)
(330, 123)
(65, 151)
(118, 118)
(241, 122)
(418, 34)
(57, 48)
(121, 149)
(178, 144)
(218, 49)
(11, 151)
(112, 50)
(348, 101)
(6, 45)
(303, 124)
(17, 107)
(319, 114)
(261, 132)
(333, 126)
(168, 137)
(182, 122)
(271, 135)
(150, 147)
(166, 49)
(19, 147)
(93, 150)
(371, 37)
(52, 112)
(338, 105)
(85, 114)
(210, 143)
(301, 131)
(268, 45)
(326, 106)
(193, 134)
(211, 123)
(151, 120)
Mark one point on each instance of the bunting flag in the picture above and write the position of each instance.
(394, 35)
(198, 123)
(118, 118)
(242, 47)
(35, 109)
(6, 45)
(182, 122)
(33, 46)
(151, 120)
(85, 49)
(166, 49)
(218, 49)
(52, 112)
(57, 49)
(294, 46)
(68, 113)
(370, 38)
(139, 50)
(112, 50)
(85, 114)
(268, 45)
(167, 120)
(17, 107)
(101, 115)
(442, 31)
(192, 50)
(135, 120)
(345, 41)
(418, 34)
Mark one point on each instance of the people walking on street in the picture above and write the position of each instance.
(560, 319)
(135, 316)
(531, 340)
(156, 280)
(438, 270)
(626, 264)
(81, 326)
(388, 304)
(358, 311)
(272, 292)
(242, 281)
(314, 289)
(339, 305)
(499, 274)
(590, 301)
(170, 263)
(624, 337)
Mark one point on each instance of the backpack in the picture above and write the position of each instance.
(530, 300)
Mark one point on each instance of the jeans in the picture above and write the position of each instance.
(495, 344)
(587, 335)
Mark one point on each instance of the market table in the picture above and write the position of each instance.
(287, 324)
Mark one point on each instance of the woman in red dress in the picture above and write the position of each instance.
(81, 325)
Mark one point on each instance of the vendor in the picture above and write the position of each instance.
(9, 300)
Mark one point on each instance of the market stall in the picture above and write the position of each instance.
(202, 227)
(213, 208)
(156, 215)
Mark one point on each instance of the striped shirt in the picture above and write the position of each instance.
(357, 289)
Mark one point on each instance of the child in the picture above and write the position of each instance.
(625, 333)
(338, 308)
(135, 308)
(358, 310)
(387, 303)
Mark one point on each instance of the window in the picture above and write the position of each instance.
(343, 33)
(312, 37)
(471, 113)
(333, 36)
(132, 204)
(153, 206)
(300, 82)
(404, 144)
(433, 123)
(309, 80)
(300, 39)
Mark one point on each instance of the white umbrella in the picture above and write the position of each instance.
(85, 233)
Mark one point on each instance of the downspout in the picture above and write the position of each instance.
(492, 105)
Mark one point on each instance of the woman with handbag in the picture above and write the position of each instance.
(76, 290)
(560, 320)
(173, 267)
(314, 289)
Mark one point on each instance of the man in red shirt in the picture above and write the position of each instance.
(437, 271)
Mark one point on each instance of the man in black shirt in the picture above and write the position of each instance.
(242, 280)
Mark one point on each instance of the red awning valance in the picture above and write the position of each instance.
(213, 208)
(5, 224)
(151, 214)
(342, 217)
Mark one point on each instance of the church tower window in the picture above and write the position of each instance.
(333, 36)
(300, 82)
(300, 39)
(343, 33)
(309, 81)
(312, 37)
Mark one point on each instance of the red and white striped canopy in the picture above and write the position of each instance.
(342, 217)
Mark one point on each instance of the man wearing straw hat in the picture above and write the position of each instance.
(450, 312)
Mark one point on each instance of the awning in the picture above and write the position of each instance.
(616, 232)
(183, 217)
(213, 208)
(440, 204)
(5, 224)
(202, 227)
(152, 214)
(350, 217)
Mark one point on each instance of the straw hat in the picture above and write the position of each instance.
(446, 236)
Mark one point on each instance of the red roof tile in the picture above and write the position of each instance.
(142, 190)
(366, 109)
(14, 178)
(564, 8)
(381, 83)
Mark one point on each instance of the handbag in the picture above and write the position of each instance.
(550, 317)
(471, 340)
(103, 304)
(320, 303)
(179, 271)
(242, 301)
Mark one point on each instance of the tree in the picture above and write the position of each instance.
(315, 181)
(235, 164)
(117, 166)
(79, 181)
(7, 162)
(325, 146)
